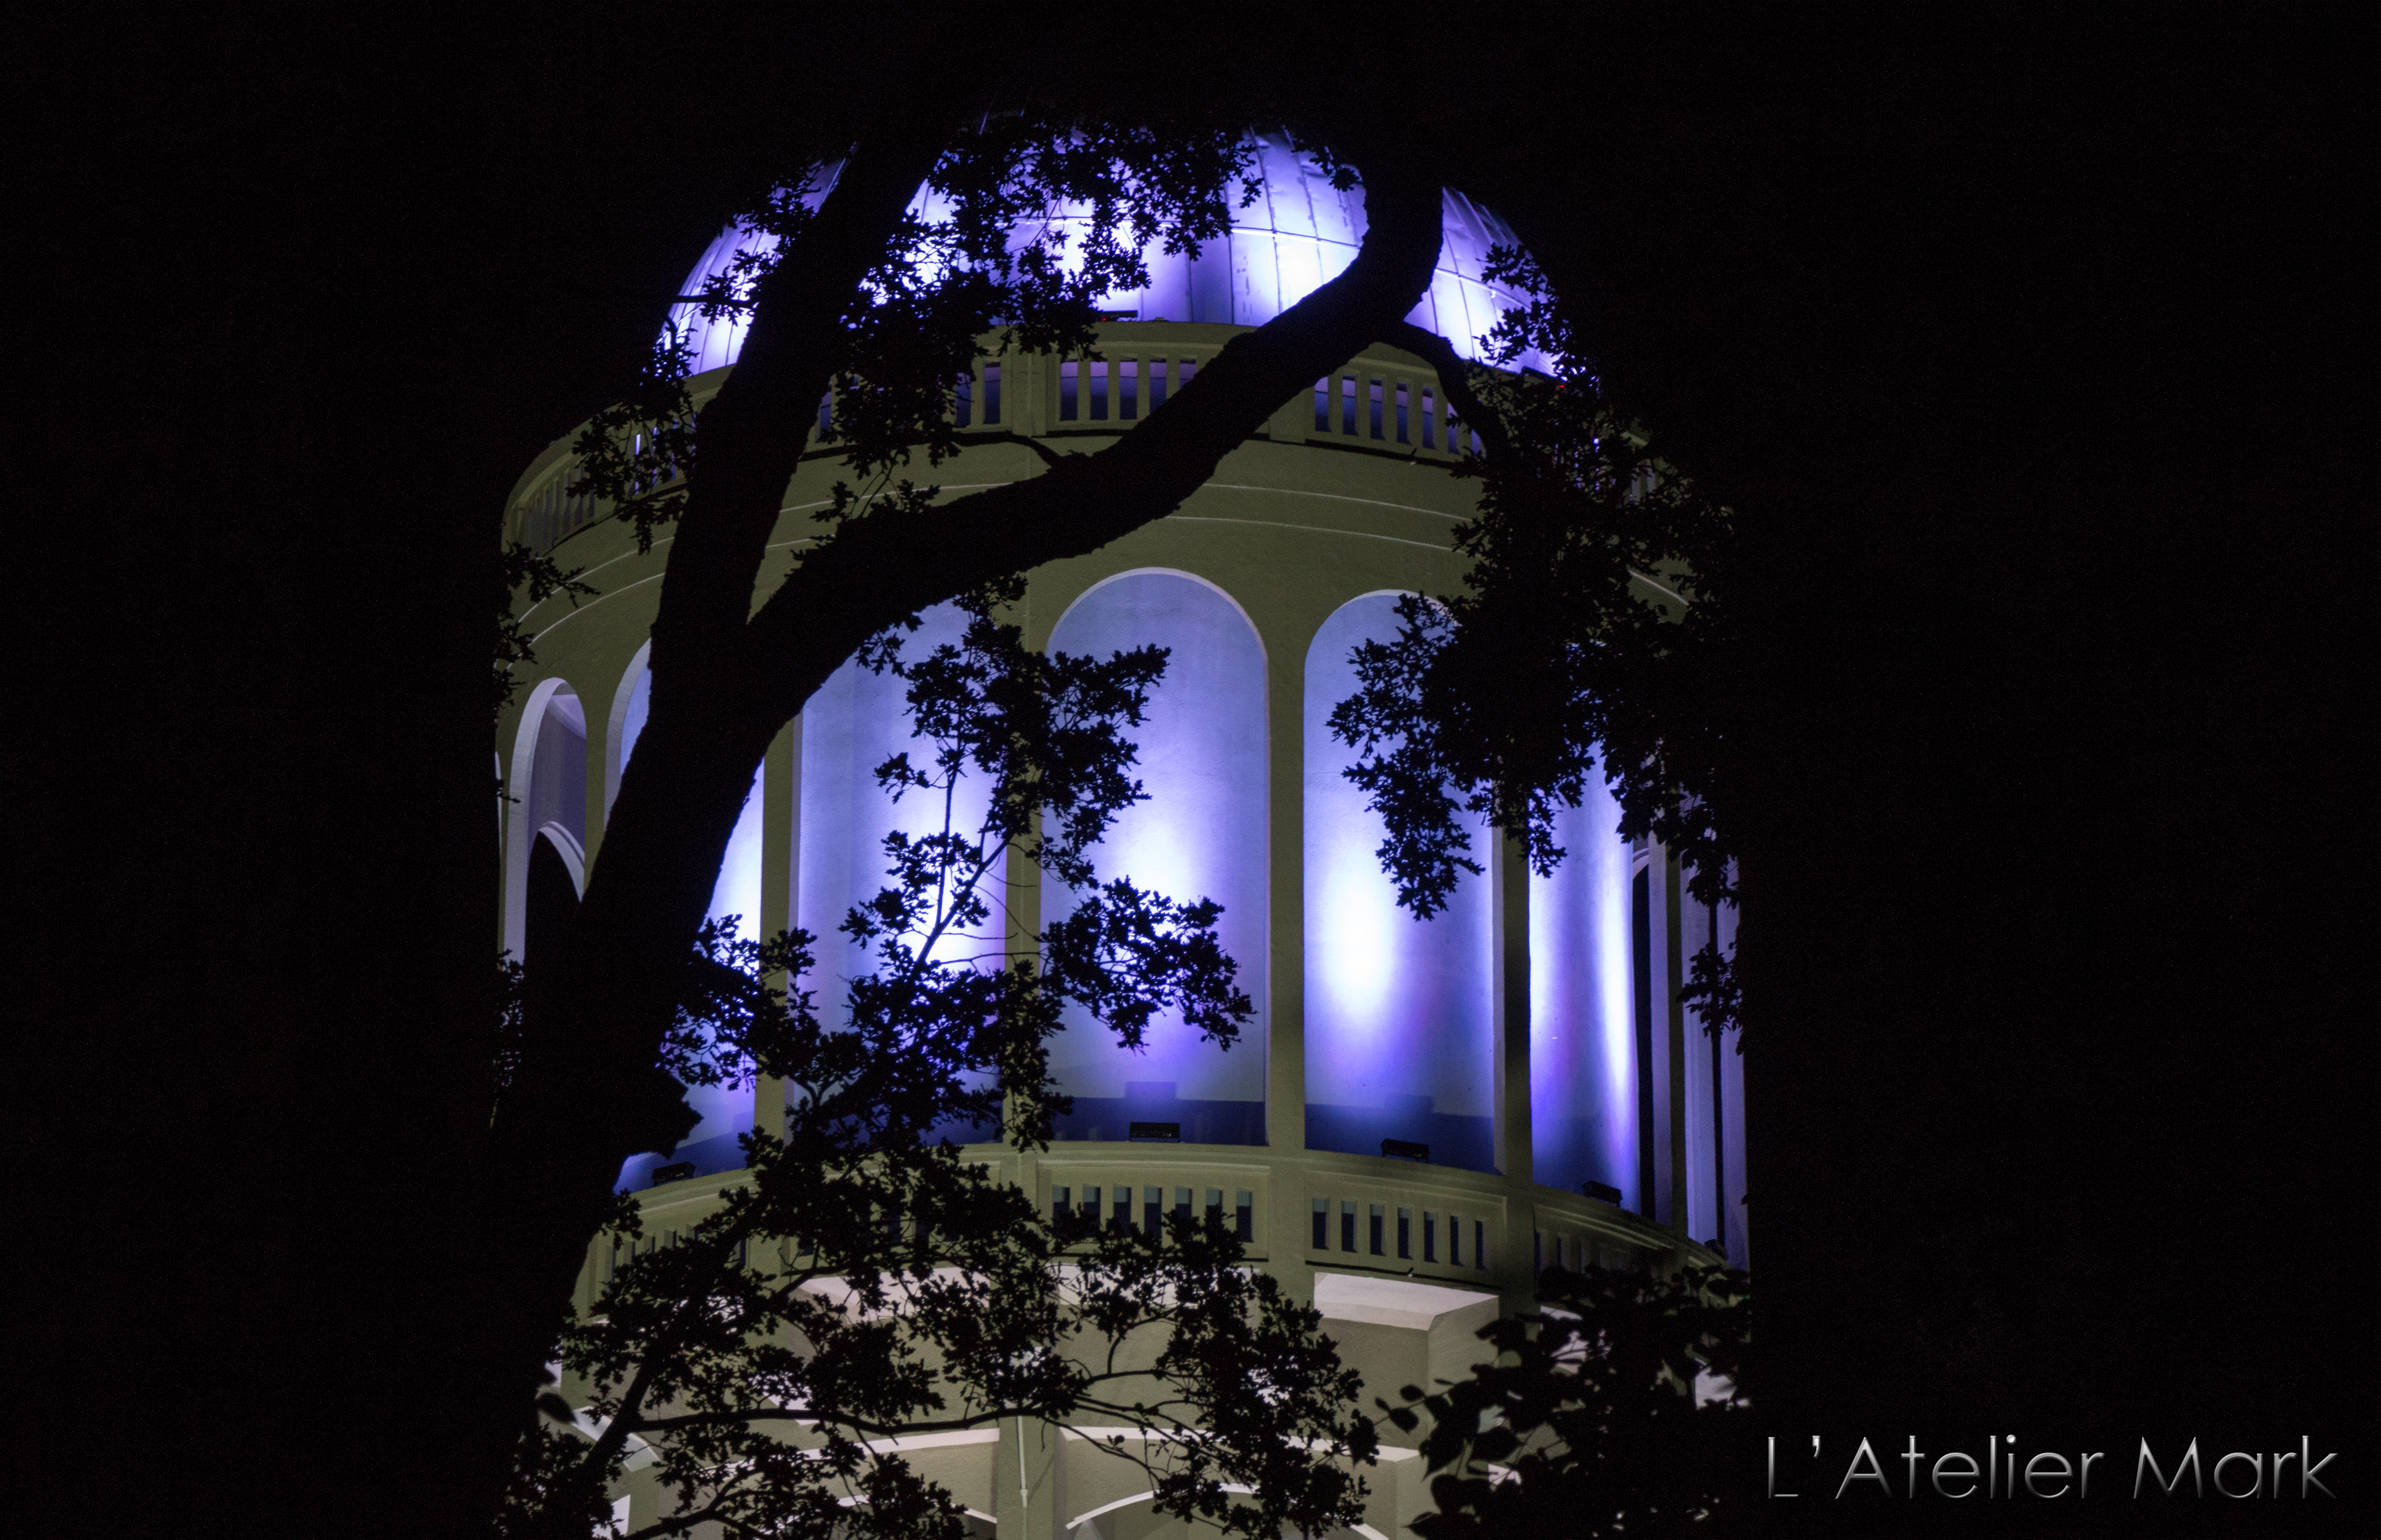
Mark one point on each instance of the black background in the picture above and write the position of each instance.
(2030, 348)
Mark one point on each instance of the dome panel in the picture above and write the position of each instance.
(1199, 835)
(1298, 233)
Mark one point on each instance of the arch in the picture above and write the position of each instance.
(1210, 584)
(566, 847)
(1202, 834)
(1400, 1012)
(548, 785)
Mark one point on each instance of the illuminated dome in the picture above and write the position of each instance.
(1298, 233)
(1419, 1115)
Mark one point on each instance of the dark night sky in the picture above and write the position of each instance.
(2023, 344)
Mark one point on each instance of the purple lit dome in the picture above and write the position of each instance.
(1299, 233)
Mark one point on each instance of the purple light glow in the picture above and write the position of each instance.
(714, 344)
(1582, 1042)
(856, 722)
(1300, 232)
(1400, 1025)
(1202, 834)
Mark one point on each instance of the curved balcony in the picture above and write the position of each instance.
(1382, 402)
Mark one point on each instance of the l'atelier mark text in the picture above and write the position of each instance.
(1995, 1472)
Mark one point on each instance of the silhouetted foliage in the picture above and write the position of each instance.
(526, 579)
(911, 331)
(865, 1283)
(862, 1283)
(1592, 634)
(1613, 1410)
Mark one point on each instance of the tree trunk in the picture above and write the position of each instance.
(589, 1093)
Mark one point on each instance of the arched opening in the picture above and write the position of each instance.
(1400, 1012)
(548, 792)
(1200, 834)
(856, 721)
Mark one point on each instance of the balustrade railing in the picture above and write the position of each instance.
(1375, 404)
(1366, 1218)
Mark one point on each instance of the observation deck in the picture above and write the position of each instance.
(1530, 1036)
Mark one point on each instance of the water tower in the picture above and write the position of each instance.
(1421, 1113)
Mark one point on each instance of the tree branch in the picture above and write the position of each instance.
(1454, 376)
(590, 1091)
(860, 1425)
(626, 1420)
(1041, 450)
(889, 565)
(788, 357)
(678, 1523)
